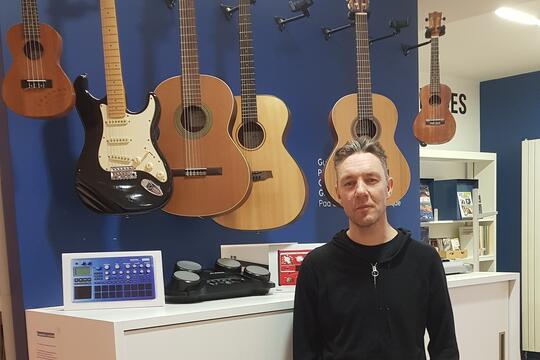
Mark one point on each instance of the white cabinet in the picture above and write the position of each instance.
(446, 164)
(485, 305)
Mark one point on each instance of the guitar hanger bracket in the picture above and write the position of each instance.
(170, 3)
(229, 10)
(406, 49)
(395, 25)
(296, 6)
(327, 32)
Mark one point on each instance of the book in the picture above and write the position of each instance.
(465, 204)
(426, 211)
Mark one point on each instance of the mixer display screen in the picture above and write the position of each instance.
(113, 279)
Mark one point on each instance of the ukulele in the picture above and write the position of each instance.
(210, 174)
(365, 114)
(35, 85)
(434, 124)
(120, 169)
(278, 194)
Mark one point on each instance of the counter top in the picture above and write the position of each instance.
(137, 318)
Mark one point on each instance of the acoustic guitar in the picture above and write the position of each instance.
(120, 169)
(365, 114)
(211, 176)
(278, 194)
(434, 124)
(35, 85)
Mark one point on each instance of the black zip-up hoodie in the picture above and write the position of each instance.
(356, 302)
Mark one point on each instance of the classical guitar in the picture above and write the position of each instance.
(434, 124)
(278, 194)
(365, 114)
(120, 169)
(211, 176)
(35, 85)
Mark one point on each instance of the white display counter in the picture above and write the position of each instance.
(486, 311)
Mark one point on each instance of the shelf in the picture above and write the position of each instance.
(487, 257)
(482, 218)
(481, 166)
(456, 156)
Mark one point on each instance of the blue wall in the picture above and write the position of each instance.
(509, 109)
(298, 66)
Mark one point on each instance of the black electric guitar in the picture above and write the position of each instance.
(120, 169)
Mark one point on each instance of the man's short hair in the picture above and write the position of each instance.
(363, 144)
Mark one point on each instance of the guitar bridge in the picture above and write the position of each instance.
(123, 173)
(36, 84)
(261, 175)
(197, 172)
(434, 121)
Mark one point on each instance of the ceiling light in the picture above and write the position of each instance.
(517, 16)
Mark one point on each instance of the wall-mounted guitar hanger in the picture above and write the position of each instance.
(406, 49)
(229, 10)
(170, 3)
(395, 24)
(296, 6)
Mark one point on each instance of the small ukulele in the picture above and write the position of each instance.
(35, 85)
(434, 124)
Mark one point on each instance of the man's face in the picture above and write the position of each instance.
(362, 189)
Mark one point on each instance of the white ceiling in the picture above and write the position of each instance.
(478, 44)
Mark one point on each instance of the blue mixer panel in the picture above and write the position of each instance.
(113, 279)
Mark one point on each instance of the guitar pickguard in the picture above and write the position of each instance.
(126, 142)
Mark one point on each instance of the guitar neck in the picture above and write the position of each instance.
(435, 81)
(116, 98)
(363, 68)
(30, 19)
(191, 88)
(248, 91)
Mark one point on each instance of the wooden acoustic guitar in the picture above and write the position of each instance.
(365, 114)
(35, 85)
(120, 169)
(278, 194)
(211, 176)
(434, 124)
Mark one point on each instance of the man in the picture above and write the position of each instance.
(370, 293)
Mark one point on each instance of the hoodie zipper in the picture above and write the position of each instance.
(374, 273)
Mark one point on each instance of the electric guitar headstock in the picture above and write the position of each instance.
(435, 27)
(358, 6)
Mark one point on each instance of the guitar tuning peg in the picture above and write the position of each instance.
(444, 18)
(425, 19)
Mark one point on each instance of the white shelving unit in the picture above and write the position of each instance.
(447, 164)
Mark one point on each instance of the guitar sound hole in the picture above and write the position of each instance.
(365, 127)
(250, 135)
(33, 49)
(193, 119)
(434, 100)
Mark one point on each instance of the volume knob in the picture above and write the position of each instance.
(149, 166)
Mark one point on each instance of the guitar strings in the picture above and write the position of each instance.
(185, 111)
(39, 52)
(28, 45)
(246, 98)
(108, 126)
